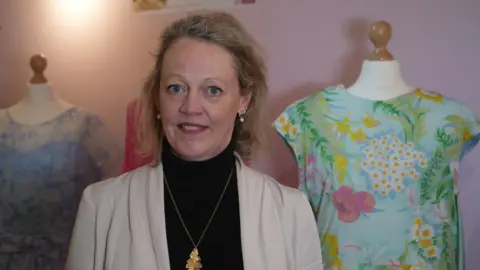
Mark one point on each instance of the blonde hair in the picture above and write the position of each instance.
(224, 30)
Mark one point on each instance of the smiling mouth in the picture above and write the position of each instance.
(190, 128)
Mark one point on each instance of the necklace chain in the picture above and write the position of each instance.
(211, 217)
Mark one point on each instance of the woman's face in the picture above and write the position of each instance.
(199, 98)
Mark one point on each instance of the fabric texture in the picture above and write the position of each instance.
(382, 176)
(133, 159)
(43, 171)
(121, 224)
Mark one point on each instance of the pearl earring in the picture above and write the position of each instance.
(241, 114)
(158, 116)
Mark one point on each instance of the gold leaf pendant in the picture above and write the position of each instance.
(193, 262)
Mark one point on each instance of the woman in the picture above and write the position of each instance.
(199, 206)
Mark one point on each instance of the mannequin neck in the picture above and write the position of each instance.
(39, 94)
(38, 105)
(380, 80)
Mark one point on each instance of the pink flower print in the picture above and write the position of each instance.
(365, 201)
(311, 169)
(351, 204)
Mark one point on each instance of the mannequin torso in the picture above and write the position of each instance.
(380, 80)
(38, 106)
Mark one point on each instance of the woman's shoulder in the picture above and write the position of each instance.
(115, 187)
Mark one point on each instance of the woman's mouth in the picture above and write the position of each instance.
(192, 128)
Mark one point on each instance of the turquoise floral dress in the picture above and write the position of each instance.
(382, 176)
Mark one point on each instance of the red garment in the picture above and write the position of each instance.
(132, 158)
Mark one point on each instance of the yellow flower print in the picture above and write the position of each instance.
(293, 132)
(432, 252)
(426, 232)
(418, 221)
(343, 127)
(416, 228)
(370, 122)
(286, 128)
(393, 161)
(340, 166)
(425, 243)
(283, 119)
(331, 239)
(359, 136)
(333, 251)
(331, 246)
(422, 163)
(399, 187)
(467, 134)
(429, 95)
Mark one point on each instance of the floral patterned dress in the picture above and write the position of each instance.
(382, 176)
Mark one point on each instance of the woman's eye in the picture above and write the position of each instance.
(175, 88)
(214, 91)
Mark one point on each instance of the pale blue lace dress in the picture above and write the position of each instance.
(43, 170)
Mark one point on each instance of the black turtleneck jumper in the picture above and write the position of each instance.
(196, 187)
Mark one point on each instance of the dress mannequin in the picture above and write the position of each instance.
(39, 104)
(380, 77)
(49, 152)
(382, 155)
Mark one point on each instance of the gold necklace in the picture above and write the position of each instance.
(194, 261)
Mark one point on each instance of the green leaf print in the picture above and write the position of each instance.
(431, 173)
(407, 128)
(321, 143)
(387, 107)
(412, 118)
(445, 139)
(419, 129)
(443, 191)
(404, 256)
(366, 266)
(398, 114)
(448, 249)
(323, 101)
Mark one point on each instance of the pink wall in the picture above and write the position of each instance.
(99, 64)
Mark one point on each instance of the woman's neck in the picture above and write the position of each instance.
(214, 169)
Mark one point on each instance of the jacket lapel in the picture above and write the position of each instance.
(156, 217)
(262, 237)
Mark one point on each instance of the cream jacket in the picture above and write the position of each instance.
(121, 225)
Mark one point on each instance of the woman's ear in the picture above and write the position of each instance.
(245, 101)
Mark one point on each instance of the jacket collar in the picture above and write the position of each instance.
(262, 237)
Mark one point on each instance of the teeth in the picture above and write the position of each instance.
(190, 127)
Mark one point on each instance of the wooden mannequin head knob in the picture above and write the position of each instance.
(38, 63)
(380, 34)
